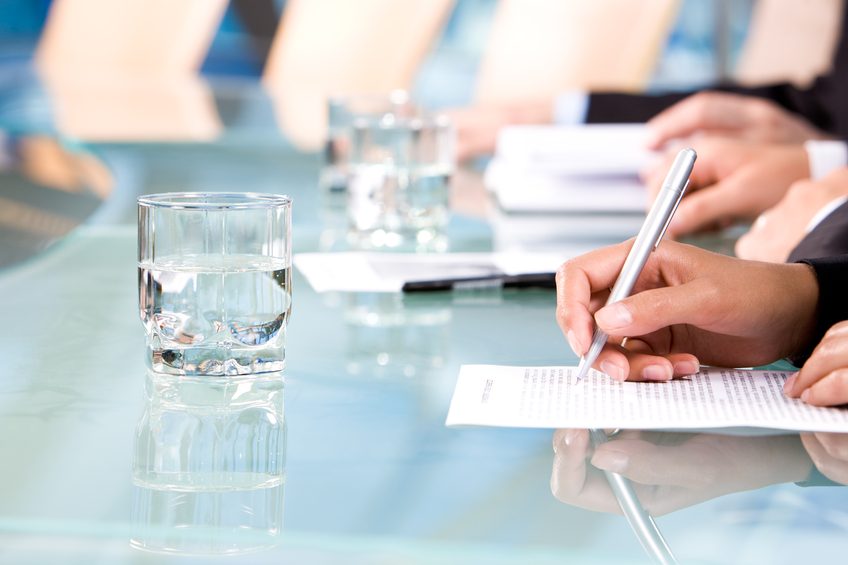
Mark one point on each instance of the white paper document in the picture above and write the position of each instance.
(584, 168)
(549, 397)
(594, 149)
(386, 272)
(523, 190)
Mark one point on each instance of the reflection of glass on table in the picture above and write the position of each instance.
(387, 335)
(209, 464)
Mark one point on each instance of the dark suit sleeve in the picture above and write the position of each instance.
(827, 239)
(611, 107)
(832, 276)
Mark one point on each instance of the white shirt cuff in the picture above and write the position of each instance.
(826, 156)
(570, 108)
(824, 212)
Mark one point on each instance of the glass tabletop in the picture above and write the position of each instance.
(365, 470)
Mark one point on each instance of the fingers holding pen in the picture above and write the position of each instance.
(636, 361)
(654, 309)
(581, 285)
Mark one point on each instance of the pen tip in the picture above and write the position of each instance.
(581, 369)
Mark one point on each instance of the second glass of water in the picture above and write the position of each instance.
(214, 279)
(400, 170)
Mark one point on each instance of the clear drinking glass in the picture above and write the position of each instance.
(342, 112)
(214, 278)
(400, 170)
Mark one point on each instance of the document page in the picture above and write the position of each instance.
(523, 190)
(581, 168)
(585, 149)
(549, 397)
(386, 272)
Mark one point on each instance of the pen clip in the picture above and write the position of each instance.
(670, 216)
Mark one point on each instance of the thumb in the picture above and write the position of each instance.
(658, 308)
(649, 464)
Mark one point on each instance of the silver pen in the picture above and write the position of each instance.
(648, 239)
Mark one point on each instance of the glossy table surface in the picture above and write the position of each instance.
(372, 475)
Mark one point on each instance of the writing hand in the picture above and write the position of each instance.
(688, 306)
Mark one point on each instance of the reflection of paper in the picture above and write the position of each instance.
(547, 397)
(386, 272)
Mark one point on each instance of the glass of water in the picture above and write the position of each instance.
(214, 279)
(400, 170)
(342, 112)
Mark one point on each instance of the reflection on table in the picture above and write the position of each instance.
(209, 464)
(47, 188)
(671, 471)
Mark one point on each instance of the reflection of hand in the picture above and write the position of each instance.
(670, 471)
(688, 305)
(823, 380)
(829, 453)
(777, 231)
(732, 115)
(477, 127)
(732, 180)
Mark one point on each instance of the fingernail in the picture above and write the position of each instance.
(614, 461)
(686, 368)
(574, 343)
(570, 437)
(614, 316)
(788, 385)
(656, 373)
(613, 371)
(805, 396)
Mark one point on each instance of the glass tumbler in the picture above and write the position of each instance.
(342, 112)
(400, 171)
(214, 279)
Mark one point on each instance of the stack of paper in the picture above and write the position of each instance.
(589, 168)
